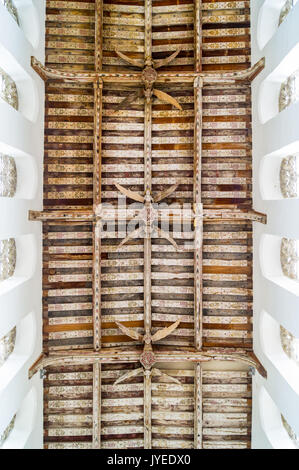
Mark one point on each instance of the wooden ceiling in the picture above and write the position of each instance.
(132, 321)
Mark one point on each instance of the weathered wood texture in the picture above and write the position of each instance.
(68, 408)
(67, 286)
(68, 246)
(226, 163)
(226, 409)
(122, 408)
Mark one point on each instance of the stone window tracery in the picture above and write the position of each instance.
(7, 345)
(7, 431)
(8, 90)
(11, 8)
(289, 91)
(290, 344)
(290, 431)
(289, 176)
(8, 176)
(289, 258)
(8, 256)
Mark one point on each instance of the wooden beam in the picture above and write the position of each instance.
(148, 32)
(96, 409)
(198, 406)
(47, 73)
(67, 215)
(97, 162)
(128, 214)
(237, 214)
(96, 272)
(198, 35)
(147, 189)
(96, 285)
(98, 35)
(148, 168)
(198, 236)
(209, 78)
(228, 78)
(98, 91)
(147, 409)
(116, 355)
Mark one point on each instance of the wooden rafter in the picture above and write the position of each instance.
(197, 35)
(96, 409)
(198, 235)
(96, 231)
(97, 147)
(198, 406)
(147, 410)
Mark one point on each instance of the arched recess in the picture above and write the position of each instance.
(273, 348)
(279, 173)
(268, 21)
(18, 173)
(23, 423)
(29, 21)
(24, 343)
(26, 87)
(271, 259)
(22, 264)
(271, 16)
(272, 424)
(271, 88)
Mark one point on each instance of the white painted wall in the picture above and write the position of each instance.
(21, 136)
(274, 135)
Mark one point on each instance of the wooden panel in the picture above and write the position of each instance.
(173, 411)
(121, 408)
(226, 35)
(226, 409)
(227, 285)
(173, 28)
(68, 408)
(67, 284)
(123, 29)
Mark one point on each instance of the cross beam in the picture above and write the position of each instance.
(248, 75)
(116, 355)
(100, 213)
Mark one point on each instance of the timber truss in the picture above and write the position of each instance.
(147, 82)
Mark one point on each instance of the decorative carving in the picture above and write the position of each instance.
(8, 255)
(285, 10)
(147, 359)
(289, 177)
(8, 176)
(8, 90)
(7, 344)
(289, 91)
(289, 258)
(11, 8)
(7, 431)
(290, 344)
(290, 431)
